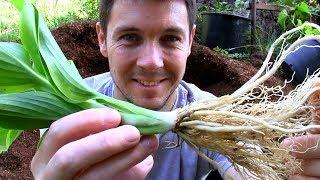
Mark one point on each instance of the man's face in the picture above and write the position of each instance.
(147, 44)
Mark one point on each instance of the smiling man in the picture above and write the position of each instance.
(147, 43)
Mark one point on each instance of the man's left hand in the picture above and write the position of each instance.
(307, 149)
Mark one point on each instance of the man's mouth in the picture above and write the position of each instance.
(148, 83)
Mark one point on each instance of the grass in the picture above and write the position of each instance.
(55, 12)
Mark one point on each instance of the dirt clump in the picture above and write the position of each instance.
(205, 68)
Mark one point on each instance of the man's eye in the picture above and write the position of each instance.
(171, 38)
(130, 37)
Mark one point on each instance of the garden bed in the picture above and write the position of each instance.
(207, 69)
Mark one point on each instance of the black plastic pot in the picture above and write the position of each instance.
(315, 18)
(302, 59)
(225, 30)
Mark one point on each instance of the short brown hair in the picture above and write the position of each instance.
(106, 6)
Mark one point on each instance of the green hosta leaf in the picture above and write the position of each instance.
(16, 73)
(7, 136)
(69, 92)
(32, 110)
(29, 33)
(73, 66)
(282, 18)
(62, 74)
(65, 77)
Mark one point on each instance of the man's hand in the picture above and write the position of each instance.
(307, 149)
(308, 145)
(90, 145)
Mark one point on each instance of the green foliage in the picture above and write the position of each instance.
(222, 7)
(290, 3)
(264, 44)
(56, 13)
(311, 31)
(302, 11)
(282, 18)
(39, 85)
(61, 20)
(199, 20)
(231, 55)
(90, 7)
(299, 14)
(9, 136)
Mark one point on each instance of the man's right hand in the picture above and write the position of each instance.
(90, 145)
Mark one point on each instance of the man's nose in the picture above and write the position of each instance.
(151, 57)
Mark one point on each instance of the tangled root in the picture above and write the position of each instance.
(249, 125)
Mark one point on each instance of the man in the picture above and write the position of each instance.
(147, 43)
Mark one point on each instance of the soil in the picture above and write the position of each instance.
(15, 164)
(207, 69)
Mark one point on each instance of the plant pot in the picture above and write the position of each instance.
(302, 59)
(225, 30)
(315, 18)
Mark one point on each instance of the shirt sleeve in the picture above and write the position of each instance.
(223, 162)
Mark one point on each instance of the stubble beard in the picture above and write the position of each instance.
(173, 93)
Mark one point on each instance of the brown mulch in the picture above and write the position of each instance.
(79, 43)
(205, 68)
(15, 164)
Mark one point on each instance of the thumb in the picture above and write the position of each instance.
(303, 147)
(139, 171)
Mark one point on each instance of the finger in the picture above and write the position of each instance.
(124, 161)
(314, 130)
(304, 147)
(302, 177)
(310, 167)
(314, 101)
(139, 171)
(71, 128)
(80, 154)
(76, 126)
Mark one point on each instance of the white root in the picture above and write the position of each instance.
(248, 125)
(253, 82)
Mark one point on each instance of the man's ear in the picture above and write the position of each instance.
(102, 40)
(192, 34)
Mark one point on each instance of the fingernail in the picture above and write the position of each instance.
(286, 142)
(146, 164)
(149, 142)
(148, 161)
